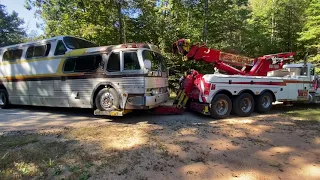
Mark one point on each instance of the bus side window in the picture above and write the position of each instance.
(131, 61)
(12, 55)
(69, 65)
(312, 71)
(38, 51)
(82, 64)
(114, 62)
(85, 64)
(60, 49)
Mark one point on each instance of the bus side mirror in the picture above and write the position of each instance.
(147, 64)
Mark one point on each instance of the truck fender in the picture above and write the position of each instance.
(222, 91)
(268, 90)
(246, 91)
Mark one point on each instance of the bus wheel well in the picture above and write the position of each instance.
(273, 96)
(98, 89)
(2, 87)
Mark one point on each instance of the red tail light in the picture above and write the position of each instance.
(206, 90)
(208, 87)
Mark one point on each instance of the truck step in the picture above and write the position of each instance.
(200, 107)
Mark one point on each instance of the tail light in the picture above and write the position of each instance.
(207, 87)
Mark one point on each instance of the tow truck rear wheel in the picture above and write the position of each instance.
(264, 102)
(243, 105)
(221, 106)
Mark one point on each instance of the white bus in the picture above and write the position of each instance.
(66, 71)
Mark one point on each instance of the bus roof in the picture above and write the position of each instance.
(37, 42)
(107, 49)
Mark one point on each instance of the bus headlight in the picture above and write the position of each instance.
(155, 91)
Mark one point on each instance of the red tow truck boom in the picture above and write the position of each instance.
(226, 61)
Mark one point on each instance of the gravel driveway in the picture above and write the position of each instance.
(145, 146)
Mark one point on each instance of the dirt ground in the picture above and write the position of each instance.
(44, 143)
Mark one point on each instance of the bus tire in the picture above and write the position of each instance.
(4, 99)
(220, 106)
(107, 100)
(264, 102)
(243, 105)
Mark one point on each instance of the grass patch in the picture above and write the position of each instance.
(311, 114)
(25, 156)
(34, 157)
(7, 142)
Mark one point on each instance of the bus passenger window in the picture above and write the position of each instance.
(69, 65)
(82, 64)
(60, 49)
(12, 55)
(114, 62)
(85, 64)
(131, 61)
(38, 51)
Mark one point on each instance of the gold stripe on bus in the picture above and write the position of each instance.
(59, 70)
(77, 52)
(40, 76)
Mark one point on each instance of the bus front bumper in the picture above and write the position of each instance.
(146, 102)
(153, 101)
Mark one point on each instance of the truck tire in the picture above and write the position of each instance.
(107, 100)
(264, 102)
(220, 106)
(243, 105)
(4, 99)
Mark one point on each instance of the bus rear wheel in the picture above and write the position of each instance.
(4, 99)
(107, 100)
(264, 102)
(221, 106)
(243, 105)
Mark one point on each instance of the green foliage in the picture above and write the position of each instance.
(10, 28)
(310, 36)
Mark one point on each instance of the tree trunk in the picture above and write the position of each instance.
(120, 21)
(204, 36)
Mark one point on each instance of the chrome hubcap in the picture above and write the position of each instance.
(222, 107)
(246, 105)
(106, 100)
(266, 101)
(2, 98)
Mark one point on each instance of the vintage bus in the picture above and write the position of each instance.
(66, 71)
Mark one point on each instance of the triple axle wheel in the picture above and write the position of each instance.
(242, 105)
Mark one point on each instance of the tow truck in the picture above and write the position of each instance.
(255, 87)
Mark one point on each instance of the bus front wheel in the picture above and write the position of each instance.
(4, 99)
(107, 100)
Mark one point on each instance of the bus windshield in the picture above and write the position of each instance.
(76, 43)
(157, 61)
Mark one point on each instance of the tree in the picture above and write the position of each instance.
(11, 31)
(310, 35)
(274, 25)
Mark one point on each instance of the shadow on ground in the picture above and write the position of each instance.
(145, 146)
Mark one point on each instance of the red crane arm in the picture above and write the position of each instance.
(224, 61)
